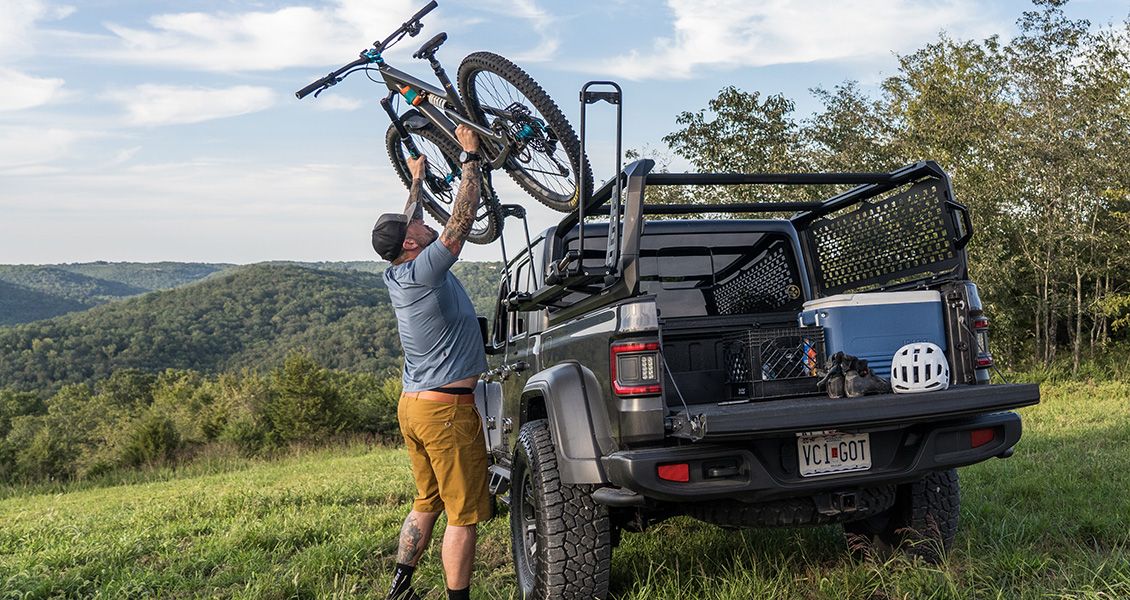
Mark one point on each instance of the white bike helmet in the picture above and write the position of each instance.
(919, 367)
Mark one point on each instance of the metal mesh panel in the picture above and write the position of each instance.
(763, 363)
(766, 285)
(881, 242)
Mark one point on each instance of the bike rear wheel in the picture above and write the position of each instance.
(546, 161)
(442, 180)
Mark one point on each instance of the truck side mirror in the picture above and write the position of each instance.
(484, 330)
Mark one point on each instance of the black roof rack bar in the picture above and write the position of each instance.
(767, 178)
(691, 209)
(904, 175)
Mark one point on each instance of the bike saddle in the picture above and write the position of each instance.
(429, 48)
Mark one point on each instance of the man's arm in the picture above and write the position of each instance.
(467, 199)
(416, 166)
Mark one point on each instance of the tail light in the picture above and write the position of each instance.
(984, 358)
(635, 368)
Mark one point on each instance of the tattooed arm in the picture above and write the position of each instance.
(467, 199)
(416, 166)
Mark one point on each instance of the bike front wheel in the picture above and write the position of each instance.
(442, 180)
(546, 158)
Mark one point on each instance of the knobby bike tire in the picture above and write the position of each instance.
(488, 214)
(479, 63)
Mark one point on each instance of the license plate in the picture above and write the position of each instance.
(821, 453)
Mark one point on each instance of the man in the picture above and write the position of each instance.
(443, 358)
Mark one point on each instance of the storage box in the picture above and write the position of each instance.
(875, 325)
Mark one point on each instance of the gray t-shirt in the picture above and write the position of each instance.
(439, 330)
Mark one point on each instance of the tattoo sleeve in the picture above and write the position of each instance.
(414, 196)
(463, 209)
(412, 544)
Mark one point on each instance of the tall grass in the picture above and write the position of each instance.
(1052, 522)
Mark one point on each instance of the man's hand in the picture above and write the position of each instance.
(467, 138)
(417, 166)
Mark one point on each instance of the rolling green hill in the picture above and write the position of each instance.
(38, 292)
(245, 317)
(146, 276)
(19, 304)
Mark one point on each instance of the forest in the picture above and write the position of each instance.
(1035, 134)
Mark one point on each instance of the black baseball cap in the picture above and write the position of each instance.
(389, 233)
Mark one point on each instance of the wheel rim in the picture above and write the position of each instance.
(442, 182)
(528, 524)
(543, 168)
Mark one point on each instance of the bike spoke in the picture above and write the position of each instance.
(496, 95)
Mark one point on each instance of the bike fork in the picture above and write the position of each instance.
(386, 104)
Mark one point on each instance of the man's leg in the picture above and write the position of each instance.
(459, 555)
(414, 537)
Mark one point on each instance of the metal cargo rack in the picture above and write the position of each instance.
(916, 233)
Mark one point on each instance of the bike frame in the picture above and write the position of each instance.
(435, 105)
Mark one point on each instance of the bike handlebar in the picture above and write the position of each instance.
(423, 11)
(332, 78)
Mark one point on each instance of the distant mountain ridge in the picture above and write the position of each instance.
(241, 317)
(36, 292)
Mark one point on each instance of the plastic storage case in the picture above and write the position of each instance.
(875, 325)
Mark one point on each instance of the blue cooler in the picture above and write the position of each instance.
(875, 325)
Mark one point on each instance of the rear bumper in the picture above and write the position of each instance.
(712, 422)
(767, 466)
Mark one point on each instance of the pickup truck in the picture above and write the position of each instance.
(638, 371)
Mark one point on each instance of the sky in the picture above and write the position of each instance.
(149, 130)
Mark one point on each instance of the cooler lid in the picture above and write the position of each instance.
(874, 298)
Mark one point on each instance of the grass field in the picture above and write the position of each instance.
(1051, 522)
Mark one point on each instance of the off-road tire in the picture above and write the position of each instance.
(487, 62)
(790, 511)
(487, 228)
(923, 521)
(573, 552)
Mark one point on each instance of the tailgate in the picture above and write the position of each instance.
(728, 421)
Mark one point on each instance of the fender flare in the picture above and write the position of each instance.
(578, 420)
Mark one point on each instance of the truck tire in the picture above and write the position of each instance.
(790, 511)
(922, 522)
(559, 536)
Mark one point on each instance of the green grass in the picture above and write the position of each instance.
(1052, 522)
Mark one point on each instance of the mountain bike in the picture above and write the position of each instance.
(521, 129)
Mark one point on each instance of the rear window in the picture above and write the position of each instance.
(731, 273)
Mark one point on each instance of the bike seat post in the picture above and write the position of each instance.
(445, 81)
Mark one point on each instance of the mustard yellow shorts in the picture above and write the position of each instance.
(449, 458)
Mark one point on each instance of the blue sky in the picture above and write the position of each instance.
(157, 130)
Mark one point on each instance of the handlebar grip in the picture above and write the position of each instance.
(302, 93)
(423, 11)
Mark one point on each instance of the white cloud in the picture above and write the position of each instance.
(151, 104)
(293, 36)
(331, 102)
(737, 33)
(22, 146)
(22, 91)
(17, 24)
(259, 40)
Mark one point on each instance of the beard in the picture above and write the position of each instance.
(427, 237)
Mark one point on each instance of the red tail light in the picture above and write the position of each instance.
(980, 437)
(635, 368)
(680, 472)
(984, 358)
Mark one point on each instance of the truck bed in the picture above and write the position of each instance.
(727, 421)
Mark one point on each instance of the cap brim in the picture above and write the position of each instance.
(411, 209)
